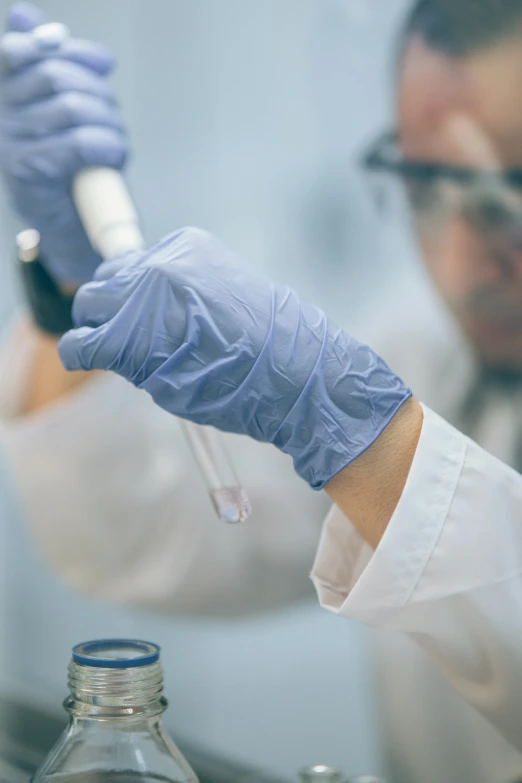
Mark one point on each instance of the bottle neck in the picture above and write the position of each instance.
(125, 694)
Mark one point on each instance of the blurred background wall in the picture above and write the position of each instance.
(245, 118)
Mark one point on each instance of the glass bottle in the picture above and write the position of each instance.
(321, 773)
(364, 779)
(115, 732)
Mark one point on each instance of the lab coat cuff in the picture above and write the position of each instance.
(370, 586)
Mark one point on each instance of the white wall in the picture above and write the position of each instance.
(244, 116)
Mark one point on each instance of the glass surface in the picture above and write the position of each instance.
(115, 730)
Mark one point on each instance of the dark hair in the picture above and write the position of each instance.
(462, 27)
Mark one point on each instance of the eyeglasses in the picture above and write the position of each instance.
(385, 156)
(489, 201)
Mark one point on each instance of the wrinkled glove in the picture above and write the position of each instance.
(216, 344)
(57, 116)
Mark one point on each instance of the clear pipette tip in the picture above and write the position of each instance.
(231, 505)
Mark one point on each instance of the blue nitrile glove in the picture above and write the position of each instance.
(216, 344)
(57, 116)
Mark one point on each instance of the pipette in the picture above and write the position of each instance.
(111, 223)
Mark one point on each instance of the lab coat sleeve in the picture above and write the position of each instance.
(115, 504)
(448, 571)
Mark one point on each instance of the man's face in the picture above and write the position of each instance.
(468, 113)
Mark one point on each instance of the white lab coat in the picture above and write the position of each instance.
(131, 524)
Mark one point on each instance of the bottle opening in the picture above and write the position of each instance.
(321, 773)
(116, 653)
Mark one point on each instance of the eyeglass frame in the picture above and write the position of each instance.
(374, 159)
(501, 188)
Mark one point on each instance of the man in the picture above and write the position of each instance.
(162, 547)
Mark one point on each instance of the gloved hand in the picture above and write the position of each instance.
(57, 116)
(216, 344)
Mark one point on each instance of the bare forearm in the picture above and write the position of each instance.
(369, 489)
(48, 381)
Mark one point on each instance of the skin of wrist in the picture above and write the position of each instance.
(369, 489)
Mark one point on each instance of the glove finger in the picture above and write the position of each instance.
(18, 50)
(115, 345)
(56, 159)
(24, 16)
(99, 302)
(87, 349)
(49, 77)
(135, 341)
(110, 268)
(58, 113)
